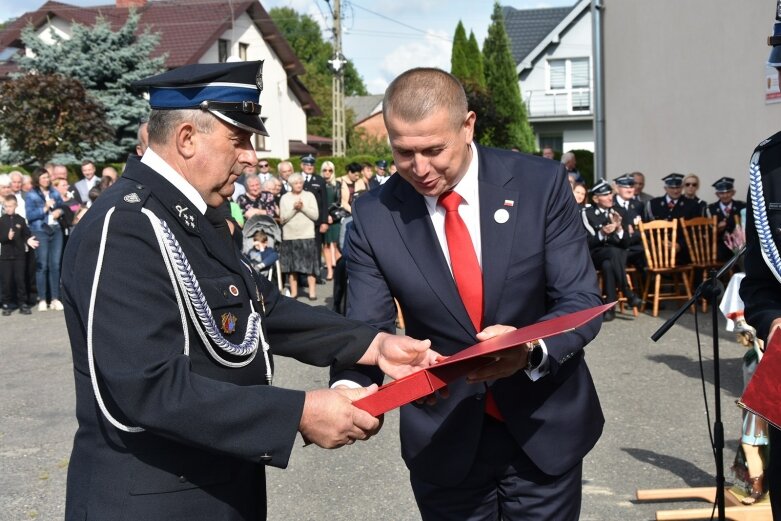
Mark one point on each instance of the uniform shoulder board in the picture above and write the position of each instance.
(133, 198)
(770, 142)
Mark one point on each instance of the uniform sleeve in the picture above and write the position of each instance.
(759, 290)
(145, 378)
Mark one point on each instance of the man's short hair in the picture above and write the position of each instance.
(418, 93)
(567, 156)
(9, 198)
(354, 167)
(88, 162)
(162, 123)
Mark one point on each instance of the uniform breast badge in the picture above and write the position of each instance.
(228, 323)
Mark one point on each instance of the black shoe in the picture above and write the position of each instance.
(635, 302)
(7, 312)
(24, 310)
(609, 315)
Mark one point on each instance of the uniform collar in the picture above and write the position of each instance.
(167, 172)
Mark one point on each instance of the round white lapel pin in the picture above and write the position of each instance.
(501, 216)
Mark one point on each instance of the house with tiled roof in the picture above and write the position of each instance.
(367, 114)
(198, 31)
(552, 50)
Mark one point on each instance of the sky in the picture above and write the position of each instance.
(382, 39)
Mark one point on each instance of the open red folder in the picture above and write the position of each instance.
(422, 383)
(763, 392)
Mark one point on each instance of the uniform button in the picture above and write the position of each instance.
(225, 293)
(479, 396)
(139, 187)
(182, 479)
(265, 457)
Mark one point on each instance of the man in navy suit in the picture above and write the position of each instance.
(510, 439)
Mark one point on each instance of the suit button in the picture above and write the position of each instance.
(479, 396)
(182, 479)
(265, 457)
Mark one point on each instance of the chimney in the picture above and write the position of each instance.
(124, 4)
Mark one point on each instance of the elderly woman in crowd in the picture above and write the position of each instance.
(333, 196)
(269, 197)
(249, 202)
(43, 205)
(298, 215)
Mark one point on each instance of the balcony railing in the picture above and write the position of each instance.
(547, 103)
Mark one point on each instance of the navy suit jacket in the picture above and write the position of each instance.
(535, 266)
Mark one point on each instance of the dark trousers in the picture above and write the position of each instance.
(14, 285)
(503, 483)
(611, 261)
(773, 472)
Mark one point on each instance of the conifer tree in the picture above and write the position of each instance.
(475, 59)
(511, 128)
(105, 62)
(459, 62)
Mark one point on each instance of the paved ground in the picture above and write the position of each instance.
(656, 432)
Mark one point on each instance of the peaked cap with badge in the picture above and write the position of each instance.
(230, 91)
(171, 333)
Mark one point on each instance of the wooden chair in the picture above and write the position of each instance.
(622, 300)
(659, 242)
(701, 236)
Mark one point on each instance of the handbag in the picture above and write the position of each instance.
(337, 213)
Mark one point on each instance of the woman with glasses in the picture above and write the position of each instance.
(331, 251)
(691, 183)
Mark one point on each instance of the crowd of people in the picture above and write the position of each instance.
(611, 212)
(35, 228)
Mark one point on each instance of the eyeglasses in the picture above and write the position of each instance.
(695, 185)
(263, 165)
(328, 169)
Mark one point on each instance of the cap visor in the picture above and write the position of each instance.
(248, 122)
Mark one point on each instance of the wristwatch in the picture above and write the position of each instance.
(534, 357)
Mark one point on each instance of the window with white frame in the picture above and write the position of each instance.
(571, 76)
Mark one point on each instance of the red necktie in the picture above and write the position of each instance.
(466, 272)
(463, 260)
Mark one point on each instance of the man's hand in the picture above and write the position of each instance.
(399, 355)
(329, 419)
(505, 363)
(324, 227)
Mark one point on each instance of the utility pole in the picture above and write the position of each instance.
(337, 66)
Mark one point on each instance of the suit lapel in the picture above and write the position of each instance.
(414, 225)
(496, 236)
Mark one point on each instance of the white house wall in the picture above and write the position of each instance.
(542, 102)
(285, 118)
(57, 25)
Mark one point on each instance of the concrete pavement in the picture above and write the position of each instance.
(655, 434)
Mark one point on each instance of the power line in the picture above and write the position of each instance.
(375, 13)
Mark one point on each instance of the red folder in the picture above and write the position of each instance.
(422, 383)
(763, 393)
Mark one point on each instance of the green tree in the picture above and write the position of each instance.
(511, 128)
(475, 60)
(459, 64)
(303, 34)
(106, 62)
(44, 114)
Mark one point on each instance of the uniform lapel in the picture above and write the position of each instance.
(181, 210)
(499, 214)
(414, 225)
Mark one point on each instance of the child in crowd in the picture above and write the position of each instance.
(15, 237)
(261, 255)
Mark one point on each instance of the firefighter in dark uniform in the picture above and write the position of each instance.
(608, 239)
(727, 210)
(172, 333)
(631, 211)
(761, 288)
(671, 207)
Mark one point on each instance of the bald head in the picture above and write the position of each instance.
(420, 93)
